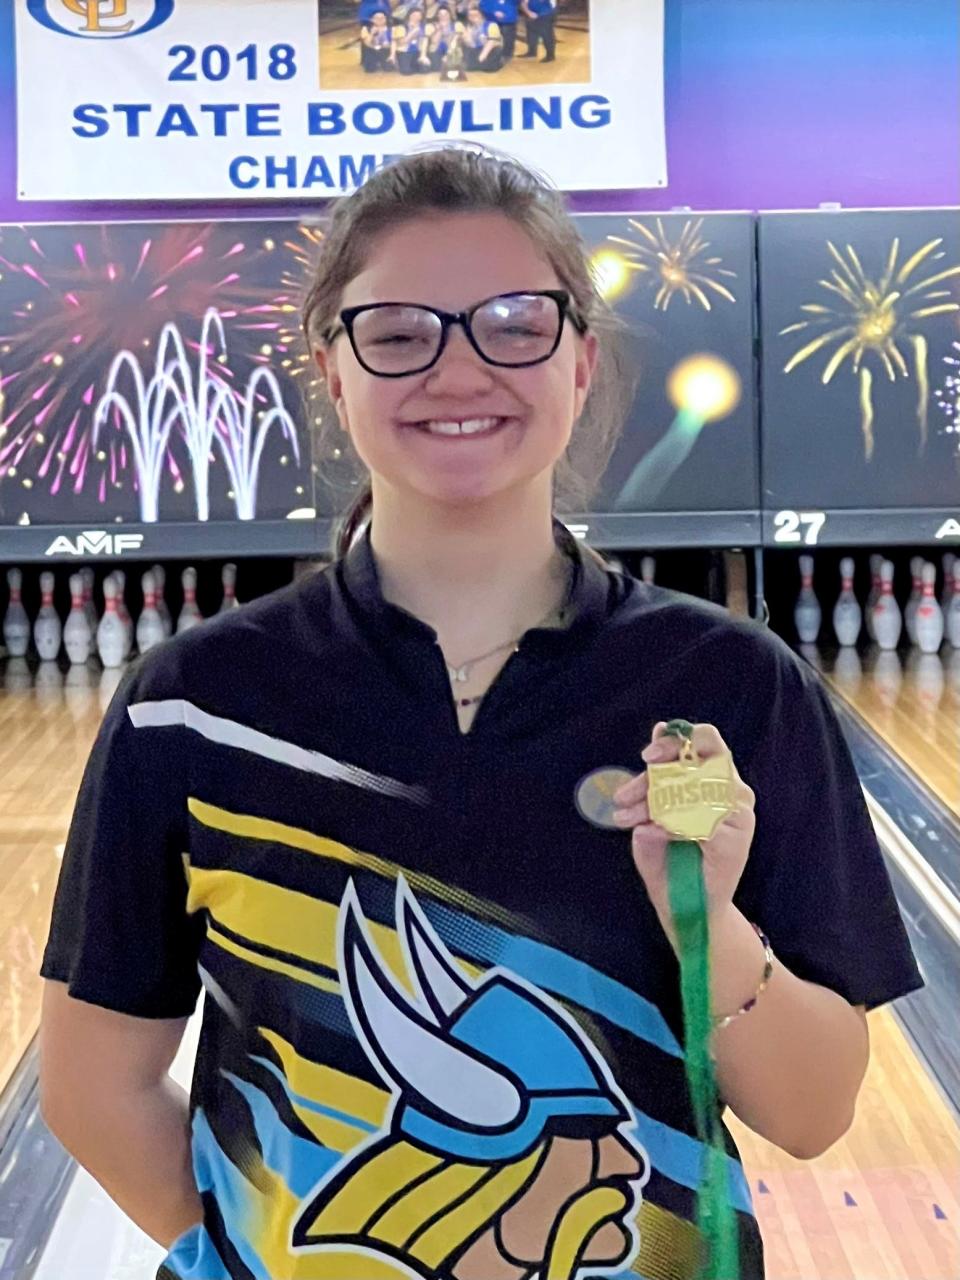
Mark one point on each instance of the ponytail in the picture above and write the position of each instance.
(349, 526)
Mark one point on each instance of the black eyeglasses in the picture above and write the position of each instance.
(511, 330)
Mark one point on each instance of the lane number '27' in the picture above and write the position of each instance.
(788, 526)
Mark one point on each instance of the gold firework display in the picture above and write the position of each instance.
(671, 268)
(873, 318)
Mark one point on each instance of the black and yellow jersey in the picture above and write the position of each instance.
(442, 1032)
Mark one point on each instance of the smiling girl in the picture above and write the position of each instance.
(442, 1032)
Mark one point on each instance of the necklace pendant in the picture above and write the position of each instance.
(460, 674)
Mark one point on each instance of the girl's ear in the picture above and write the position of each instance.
(588, 352)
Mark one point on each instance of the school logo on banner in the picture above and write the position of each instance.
(100, 19)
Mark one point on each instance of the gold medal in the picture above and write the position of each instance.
(690, 797)
(594, 795)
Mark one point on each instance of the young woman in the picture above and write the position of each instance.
(442, 1033)
(377, 51)
(410, 45)
(482, 42)
(441, 38)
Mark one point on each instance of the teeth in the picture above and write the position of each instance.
(468, 428)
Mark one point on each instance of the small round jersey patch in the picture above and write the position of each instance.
(594, 795)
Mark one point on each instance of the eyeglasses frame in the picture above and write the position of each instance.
(463, 318)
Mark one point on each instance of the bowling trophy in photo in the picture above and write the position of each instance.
(452, 66)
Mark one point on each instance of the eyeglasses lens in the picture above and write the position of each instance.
(508, 330)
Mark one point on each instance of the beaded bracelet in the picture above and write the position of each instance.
(720, 1023)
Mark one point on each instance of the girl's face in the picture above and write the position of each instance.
(380, 21)
(452, 261)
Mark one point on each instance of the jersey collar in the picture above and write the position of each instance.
(593, 593)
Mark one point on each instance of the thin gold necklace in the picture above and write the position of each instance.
(461, 674)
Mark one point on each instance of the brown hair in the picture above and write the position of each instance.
(462, 179)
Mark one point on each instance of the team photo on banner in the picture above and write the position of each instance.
(313, 96)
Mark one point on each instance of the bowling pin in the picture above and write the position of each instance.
(111, 632)
(949, 560)
(121, 580)
(229, 577)
(190, 615)
(77, 637)
(952, 620)
(806, 615)
(47, 629)
(875, 562)
(887, 620)
(150, 630)
(16, 624)
(847, 614)
(928, 621)
(160, 578)
(89, 607)
(648, 570)
(913, 604)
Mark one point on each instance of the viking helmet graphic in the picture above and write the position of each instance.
(480, 1070)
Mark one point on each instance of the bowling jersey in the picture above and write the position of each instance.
(478, 35)
(493, 9)
(442, 1032)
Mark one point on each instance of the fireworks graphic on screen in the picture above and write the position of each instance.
(871, 318)
(668, 267)
(948, 395)
(208, 410)
(72, 297)
(303, 247)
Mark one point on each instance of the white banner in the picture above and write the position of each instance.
(260, 99)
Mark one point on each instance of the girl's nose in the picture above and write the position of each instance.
(459, 367)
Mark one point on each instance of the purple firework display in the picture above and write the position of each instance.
(153, 372)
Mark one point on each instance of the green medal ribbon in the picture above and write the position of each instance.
(716, 1217)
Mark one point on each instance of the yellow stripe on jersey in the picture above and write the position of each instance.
(302, 927)
(250, 827)
(329, 1086)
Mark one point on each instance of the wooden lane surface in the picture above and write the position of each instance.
(45, 736)
(870, 1209)
(912, 701)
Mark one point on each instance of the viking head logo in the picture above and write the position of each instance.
(507, 1152)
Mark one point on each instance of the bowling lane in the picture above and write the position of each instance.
(909, 699)
(47, 726)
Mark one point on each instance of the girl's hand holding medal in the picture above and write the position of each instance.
(697, 790)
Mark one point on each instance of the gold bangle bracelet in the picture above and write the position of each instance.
(720, 1023)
